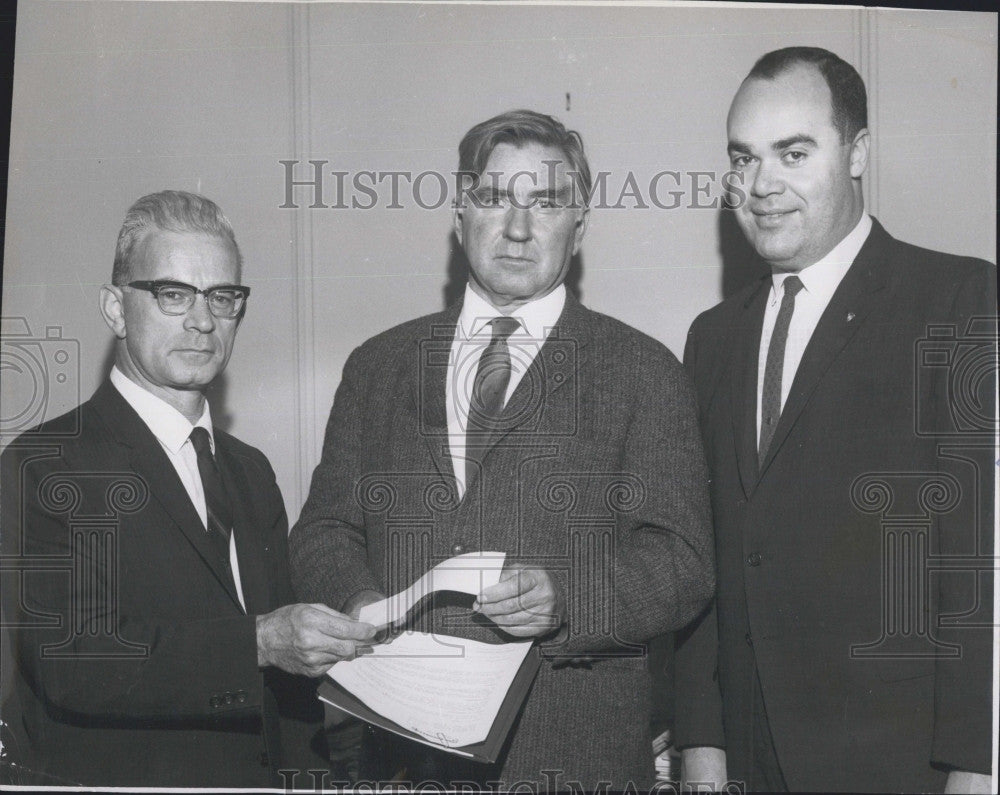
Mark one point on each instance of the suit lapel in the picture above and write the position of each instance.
(427, 371)
(546, 391)
(554, 370)
(250, 552)
(150, 462)
(552, 373)
(744, 351)
(854, 299)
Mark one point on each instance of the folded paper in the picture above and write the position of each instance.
(468, 573)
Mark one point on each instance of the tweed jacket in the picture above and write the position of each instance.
(596, 475)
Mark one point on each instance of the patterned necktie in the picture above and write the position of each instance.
(488, 390)
(220, 512)
(770, 399)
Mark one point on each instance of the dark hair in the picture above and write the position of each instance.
(847, 90)
(521, 127)
(167, 211)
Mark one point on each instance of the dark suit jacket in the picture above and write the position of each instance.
(135, 664)
(854, 565)
(598, 475)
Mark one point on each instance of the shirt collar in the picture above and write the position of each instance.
(822, 278)
(536, 317)
(167, 424)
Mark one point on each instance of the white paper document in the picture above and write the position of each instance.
(448, 690)
(468, 573)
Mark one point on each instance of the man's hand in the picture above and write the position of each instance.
(308, 639)
(703, 765)
(525, 603)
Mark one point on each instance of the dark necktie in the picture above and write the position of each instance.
(770, 399)
(488, 390)
(220, 513)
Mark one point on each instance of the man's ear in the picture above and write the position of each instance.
(456, 219)
(581, 229)
(113, 309)
(860, 150)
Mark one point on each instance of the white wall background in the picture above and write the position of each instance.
(115, 100)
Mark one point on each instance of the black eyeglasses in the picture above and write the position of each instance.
(176, 298)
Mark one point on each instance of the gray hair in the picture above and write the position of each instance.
(167, 211)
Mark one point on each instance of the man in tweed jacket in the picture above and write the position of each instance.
(591, 478)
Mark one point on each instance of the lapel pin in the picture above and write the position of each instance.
(850, 316)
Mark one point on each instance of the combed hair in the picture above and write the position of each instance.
(167, 211)
(519, 128)
(847, 89)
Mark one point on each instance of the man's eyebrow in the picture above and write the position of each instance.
(792, 140)
(181, 283)
(489, 189)
(553, 192)
(783, 143)
(557, 192)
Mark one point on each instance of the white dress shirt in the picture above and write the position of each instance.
(819, 282)
(173, 431)
(472, 335)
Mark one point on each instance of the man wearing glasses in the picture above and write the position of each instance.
(161, 647)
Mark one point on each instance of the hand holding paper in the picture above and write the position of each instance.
(308, 639)
(526, 602)
(451, 693)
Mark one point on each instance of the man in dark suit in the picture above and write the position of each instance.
(521, 422)
(847, 409)
(146, 585)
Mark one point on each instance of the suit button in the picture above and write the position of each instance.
(753, 559)
(458, 549)
(264, 762)
(228, 699)
(242, 696)
(748, 639)
(213, 702)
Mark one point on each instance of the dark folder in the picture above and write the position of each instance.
(486, 751)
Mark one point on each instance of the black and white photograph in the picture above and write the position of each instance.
(499, 397)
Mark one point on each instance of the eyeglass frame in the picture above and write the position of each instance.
(155, 285)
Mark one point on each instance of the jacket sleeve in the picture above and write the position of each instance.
(697, 698)
(327, 546)
(963, 716)
(663, 568)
